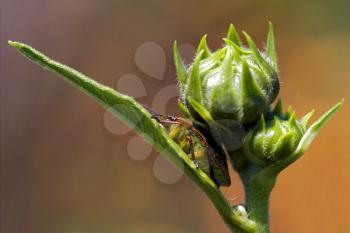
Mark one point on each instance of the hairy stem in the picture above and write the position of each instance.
(257, 189)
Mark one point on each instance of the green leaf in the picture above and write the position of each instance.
(122, 106)
(271, 48)
(137, 117)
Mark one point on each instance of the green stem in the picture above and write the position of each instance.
(258, 206)
(257, 189)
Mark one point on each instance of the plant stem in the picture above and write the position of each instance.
(257, 187)
(257, 203)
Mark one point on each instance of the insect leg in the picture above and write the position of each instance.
(189, 138)
(157, 117)
(154, 115)
(162, 119)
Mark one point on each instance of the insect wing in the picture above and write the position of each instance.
(218, 168)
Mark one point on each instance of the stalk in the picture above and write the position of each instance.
(257, 188)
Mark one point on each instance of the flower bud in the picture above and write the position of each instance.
(274, 139)
(235, 82)
(280, 136)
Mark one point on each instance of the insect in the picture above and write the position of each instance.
(195, 144)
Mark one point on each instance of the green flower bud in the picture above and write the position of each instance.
(274, 139)
(280, 136)
(235, 82)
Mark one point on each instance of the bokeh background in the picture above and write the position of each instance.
(62, 171)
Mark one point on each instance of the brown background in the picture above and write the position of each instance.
(63, 172)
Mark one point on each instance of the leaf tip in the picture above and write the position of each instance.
(270, 26)
(175, 49)
(14, 44)
(311, 133)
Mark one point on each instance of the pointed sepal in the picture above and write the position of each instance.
(226, 71)
(289, 112)
(237, 48)
(203, 46)
(261, 126)
(305, 119)
(264, 64)
(278, 109)
(194, 88)
(252, 97)
(180, 67)
(233, 36)
(183, 109)
(224, 99)
(201, 110)
(271, 47)
(283, 146)
(312, 132)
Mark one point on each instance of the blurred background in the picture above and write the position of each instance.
(68, 167)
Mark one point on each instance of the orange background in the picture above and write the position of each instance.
(63, 172)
